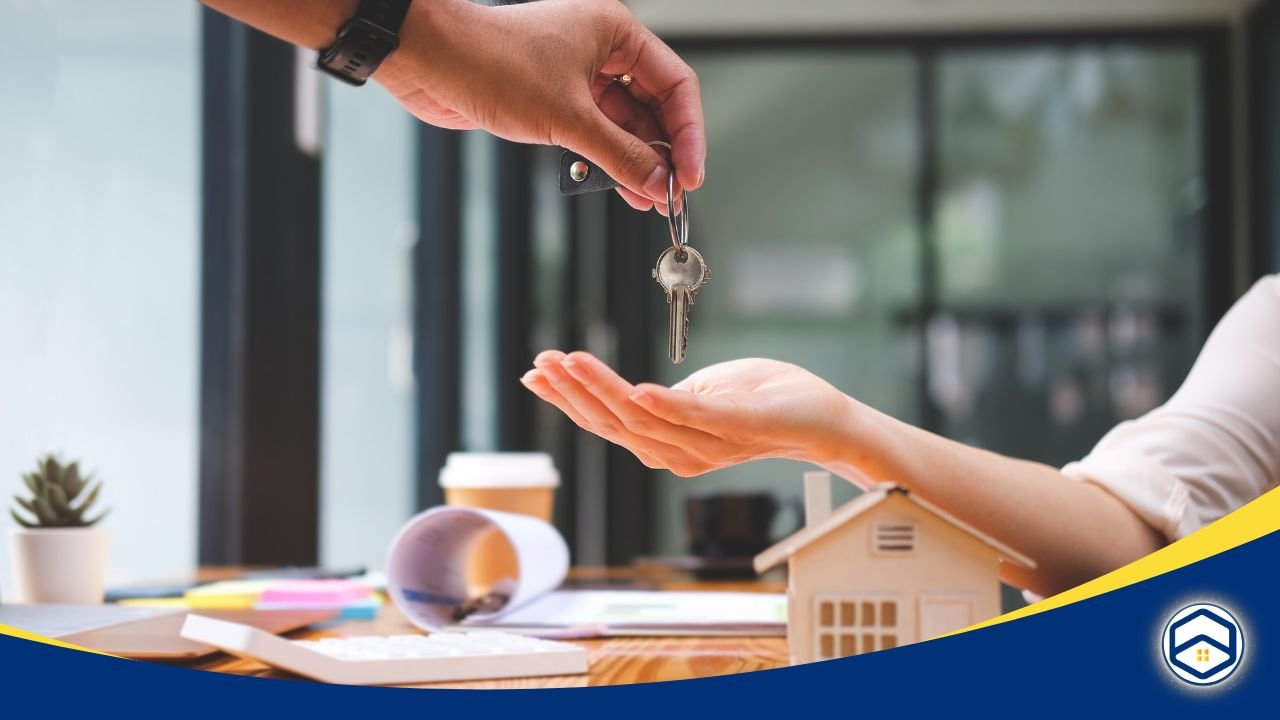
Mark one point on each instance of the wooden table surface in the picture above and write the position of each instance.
(614, 661)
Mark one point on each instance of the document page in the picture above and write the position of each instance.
(632, 612)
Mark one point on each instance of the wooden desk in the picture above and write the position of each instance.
(614, 661)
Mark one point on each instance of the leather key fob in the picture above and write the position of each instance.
(579, 175)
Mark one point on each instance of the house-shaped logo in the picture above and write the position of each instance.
(1203, 644)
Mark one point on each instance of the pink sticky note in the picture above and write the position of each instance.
(316, 592)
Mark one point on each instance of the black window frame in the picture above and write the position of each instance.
(259, 306)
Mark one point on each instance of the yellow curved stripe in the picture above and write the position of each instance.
(1258, 518)
(24, 635)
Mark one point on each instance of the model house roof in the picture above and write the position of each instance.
(877, 494)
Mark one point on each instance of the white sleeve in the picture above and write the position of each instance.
(1215, 445)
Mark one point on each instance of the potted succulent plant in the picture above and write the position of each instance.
(57, 553)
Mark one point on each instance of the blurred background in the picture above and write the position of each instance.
(264, 306)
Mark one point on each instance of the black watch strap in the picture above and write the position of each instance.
(365, 41)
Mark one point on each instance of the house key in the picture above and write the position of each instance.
(681, 272)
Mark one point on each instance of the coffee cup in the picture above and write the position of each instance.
(523, 483)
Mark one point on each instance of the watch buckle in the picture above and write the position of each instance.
(356, 54)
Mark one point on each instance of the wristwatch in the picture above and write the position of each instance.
(364, 41)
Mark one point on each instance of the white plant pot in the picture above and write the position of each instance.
(58, 565)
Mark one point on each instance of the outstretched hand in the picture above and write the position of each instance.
(720, 416)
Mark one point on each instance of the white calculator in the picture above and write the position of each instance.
(394, 660)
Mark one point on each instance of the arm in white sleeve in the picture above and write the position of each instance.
(1215, 445)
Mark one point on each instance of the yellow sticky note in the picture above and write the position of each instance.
(228, 594)
(179, 603)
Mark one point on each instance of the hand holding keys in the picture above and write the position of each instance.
(680, 270)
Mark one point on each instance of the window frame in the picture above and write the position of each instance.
(259, 305)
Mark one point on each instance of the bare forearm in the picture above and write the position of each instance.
(309, 23)
(1075, 531)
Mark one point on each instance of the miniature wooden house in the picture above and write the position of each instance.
(883, 570)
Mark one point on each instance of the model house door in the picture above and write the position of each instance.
(941, 614)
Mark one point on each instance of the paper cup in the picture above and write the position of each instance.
(521, 483)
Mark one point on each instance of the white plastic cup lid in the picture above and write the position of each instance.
(499, 470)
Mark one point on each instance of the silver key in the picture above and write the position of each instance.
(681, 273)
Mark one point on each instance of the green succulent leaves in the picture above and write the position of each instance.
(56, 500)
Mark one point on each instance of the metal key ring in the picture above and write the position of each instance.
(680, 234)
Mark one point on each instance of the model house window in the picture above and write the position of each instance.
(894, 538)
(845, 626)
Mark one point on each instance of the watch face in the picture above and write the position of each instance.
(370, 45)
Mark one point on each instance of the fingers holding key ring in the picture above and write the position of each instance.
(679, 233)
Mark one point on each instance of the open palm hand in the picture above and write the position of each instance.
(722, 415)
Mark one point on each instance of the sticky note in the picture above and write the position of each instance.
(228, 594)
(315, 592)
